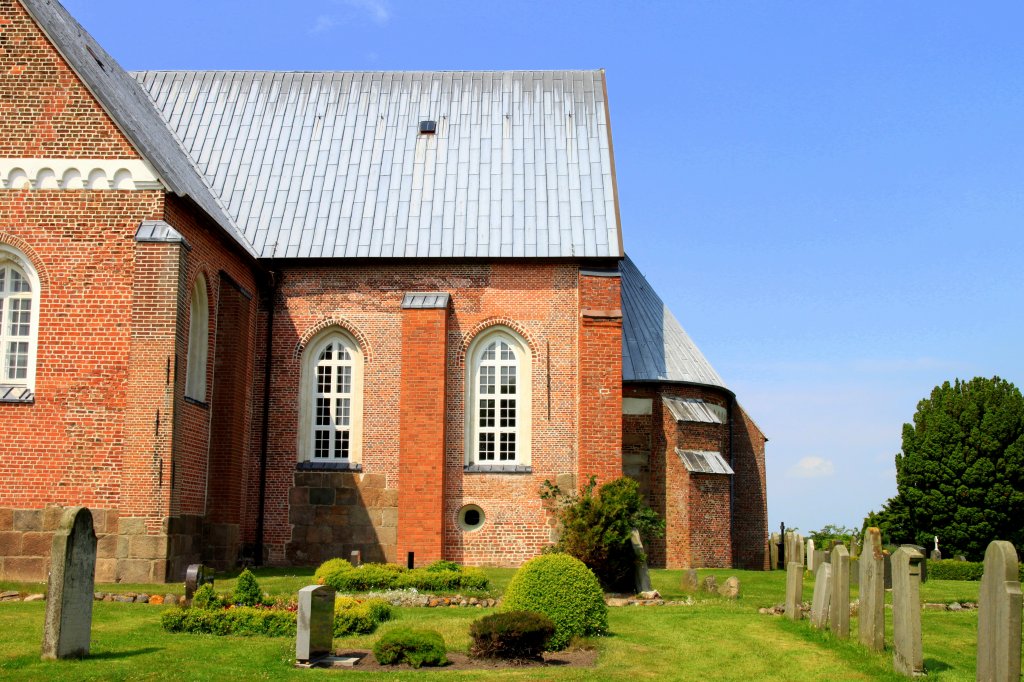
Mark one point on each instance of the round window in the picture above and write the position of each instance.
(471, 517)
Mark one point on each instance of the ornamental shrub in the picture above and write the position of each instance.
(950, 569)
(437, 577)
(365, 577)
(443, 565)
(565, 590)
(352, 616)
(205, 598)
(380, 610)
(430, 581)
(415, 647)
(330, 567)
(511, 635)
(247, 590)
(242, 620)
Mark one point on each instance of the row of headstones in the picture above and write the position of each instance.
(999, 605)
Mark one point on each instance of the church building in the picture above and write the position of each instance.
(275, 317)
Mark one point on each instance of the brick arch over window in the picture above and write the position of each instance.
(28, 253)
(340, 323)
(483, 326)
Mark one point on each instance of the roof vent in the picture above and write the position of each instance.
(428, 127)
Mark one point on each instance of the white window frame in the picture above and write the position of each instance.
(524, 398)
(308, 396)
(198, 340)
(11, 258)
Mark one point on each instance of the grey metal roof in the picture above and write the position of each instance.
(437, 299)
(654, 345)
(704, 462)
(15, 394)
(695, 410)
(333, 165)
(130, 108)
(158, 231)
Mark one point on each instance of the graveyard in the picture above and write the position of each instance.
(704, 637)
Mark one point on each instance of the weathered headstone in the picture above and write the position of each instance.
(959, 557)
(924, 560)
(854, 548)
(839, 606)
(810, 556)
(710, 585)
(821, 557)
(197, 575)
(871, 611)
(789, 554)
(800, 549)
(794, 590)
(936, 555)
(640, 574)
(356, 558)
(907, 656)
(854, 572)
(887, 570)
(690, 582)
(822, 598)
(999, 616)
(773, 551)
(68, 626)
(314, 625)
(730, 588)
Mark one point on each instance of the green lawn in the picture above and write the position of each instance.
(713, 639)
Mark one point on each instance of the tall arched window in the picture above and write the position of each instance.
(498, 402)
(331, 405)
(19, 303)
(198, 341)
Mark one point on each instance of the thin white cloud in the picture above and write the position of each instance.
(353, 12)
(811, 467)
(378, 11)
(323, 23)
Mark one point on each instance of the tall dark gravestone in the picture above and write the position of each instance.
(68, 626)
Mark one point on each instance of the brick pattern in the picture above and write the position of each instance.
(600, 378)
(751, 502)
(421, 468)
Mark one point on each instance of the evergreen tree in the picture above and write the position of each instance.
(960, 475)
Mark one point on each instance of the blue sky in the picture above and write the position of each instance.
(828, 195)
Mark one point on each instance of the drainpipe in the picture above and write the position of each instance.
(265, 427)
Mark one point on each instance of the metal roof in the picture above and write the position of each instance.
(426, 300)
(158, 231)
(15, 394)
(654, 345)
(704, 462)
(130, 108)
(333, 164)
(695, 410)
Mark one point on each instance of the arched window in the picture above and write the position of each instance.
(19, 303)
(331, 405)
(198, 341)
(498, 400)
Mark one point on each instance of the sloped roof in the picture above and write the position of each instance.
(333, 164)
(130, 108)
(654, 345)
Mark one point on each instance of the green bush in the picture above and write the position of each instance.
(511, 635)
(242, 620)
(364, 578)
(247, 590)
(430, 581)
(415, 647)
(597, 529)
(473, 578)
(438, 577)
(443, 565)
(380, 610)
(330, 567)
(949, 569)
(205, 598)
(352, 616)
(565, 590)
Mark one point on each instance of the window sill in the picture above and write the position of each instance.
(497, 469)
(16, 394)
(328, 466)
(197, 403)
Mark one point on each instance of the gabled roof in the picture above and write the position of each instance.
(130, 109)
(316, 165)
(654, 345)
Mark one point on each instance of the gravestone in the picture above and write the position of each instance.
(788, 553)
(907, 656)
(924, 560)
(800, 549)
(68, 626)
(690, 582)
(839, 606)
(821, 557)
(773, 551)
(822, 598)
(811, 563)
(784, 558)
(999, 616)
(314, 625)
(936, 555)
(854, 572)
(197, 575)
(871, 611)
(356, 558)
(794, 590)
(886, 570)
(730, 588)
(710, 585)
(854, 548)
(959, 557)
(640, 573)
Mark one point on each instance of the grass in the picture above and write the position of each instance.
(713, 639)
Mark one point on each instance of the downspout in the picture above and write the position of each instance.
(265, 426)
(732, 486)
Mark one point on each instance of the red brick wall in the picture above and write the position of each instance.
(600, 378)
(751, 504)
(422, 439)
(45, 112)
(710, 537)
(538, 300)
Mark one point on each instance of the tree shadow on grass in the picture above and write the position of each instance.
(933, 665)
(113, 655)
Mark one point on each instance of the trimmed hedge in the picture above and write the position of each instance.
(415, 647)
(511, 635)
(438, 577)
(951, 569)
(563, 589)
(359, 617)
(242, 620)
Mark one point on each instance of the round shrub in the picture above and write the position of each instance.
(415, 647)
(563, 589)
(206, 599)
(379, 610)
(247, 590)
(511, 635)
(328, 568)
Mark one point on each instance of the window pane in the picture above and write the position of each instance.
(343, 353)
(487, 380)
(507, 445)
(508, 414)
(341, 444)
(508, 380)
(487, 412)
(342, 407)
(506, 352)
(323, 379)
(3, 279)
(489, 352)
(328, 352)
(323, 412)
(21, 315)
(321, 443)
(17, 360)
(18, 283)
(487, 446)
(344, 380)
